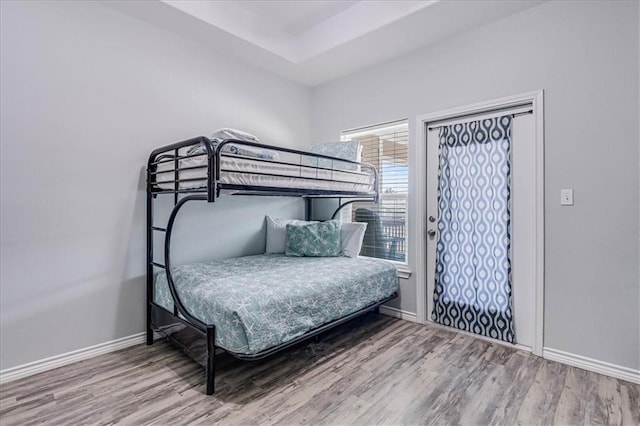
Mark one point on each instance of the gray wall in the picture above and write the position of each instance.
(87, 93)
(585, 56)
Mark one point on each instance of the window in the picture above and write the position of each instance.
(385, 146)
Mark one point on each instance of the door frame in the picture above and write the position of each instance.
(418, 163)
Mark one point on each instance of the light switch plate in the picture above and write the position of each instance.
(566, 197)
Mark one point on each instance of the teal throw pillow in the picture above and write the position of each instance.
(321, 239)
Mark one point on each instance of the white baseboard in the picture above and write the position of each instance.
(25, 370)
(398, 313)
(46, 364)
(590, 364)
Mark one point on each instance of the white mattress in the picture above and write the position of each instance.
(252, 172)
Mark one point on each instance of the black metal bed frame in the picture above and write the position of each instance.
(179, 326)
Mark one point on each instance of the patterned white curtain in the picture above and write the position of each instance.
(473, 259)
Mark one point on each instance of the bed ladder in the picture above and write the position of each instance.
(151, 263)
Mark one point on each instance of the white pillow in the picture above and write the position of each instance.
(277, 233)
(351, 236)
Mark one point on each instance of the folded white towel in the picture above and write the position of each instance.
(227, 133)
(221, 135)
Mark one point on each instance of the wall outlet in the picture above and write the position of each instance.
(566, 197)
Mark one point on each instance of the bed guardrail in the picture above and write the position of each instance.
(170, 154)
(171, 157)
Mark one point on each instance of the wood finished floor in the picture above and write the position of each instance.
(374, 370)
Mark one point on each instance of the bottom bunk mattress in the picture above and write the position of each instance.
(257, 302)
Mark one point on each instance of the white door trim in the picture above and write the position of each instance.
(536, 100)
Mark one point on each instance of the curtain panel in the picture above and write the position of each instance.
(473, 290)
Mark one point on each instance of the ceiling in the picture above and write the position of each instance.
(316, 41)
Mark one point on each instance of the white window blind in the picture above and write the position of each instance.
(386, 146)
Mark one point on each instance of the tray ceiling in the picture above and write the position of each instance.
(313, 42)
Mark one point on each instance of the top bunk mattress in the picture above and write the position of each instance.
(257, 302)
(246, 171)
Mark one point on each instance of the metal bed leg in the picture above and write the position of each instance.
(149, 334)
(211, 359)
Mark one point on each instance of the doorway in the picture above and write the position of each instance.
(526, 210)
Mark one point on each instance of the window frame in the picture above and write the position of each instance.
(403, 127)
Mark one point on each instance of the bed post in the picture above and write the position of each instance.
(211, 358)
(308, 208)
(149, 258)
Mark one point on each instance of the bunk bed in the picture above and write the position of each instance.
(199, 307)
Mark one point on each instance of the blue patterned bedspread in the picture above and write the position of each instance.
(257, 302)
